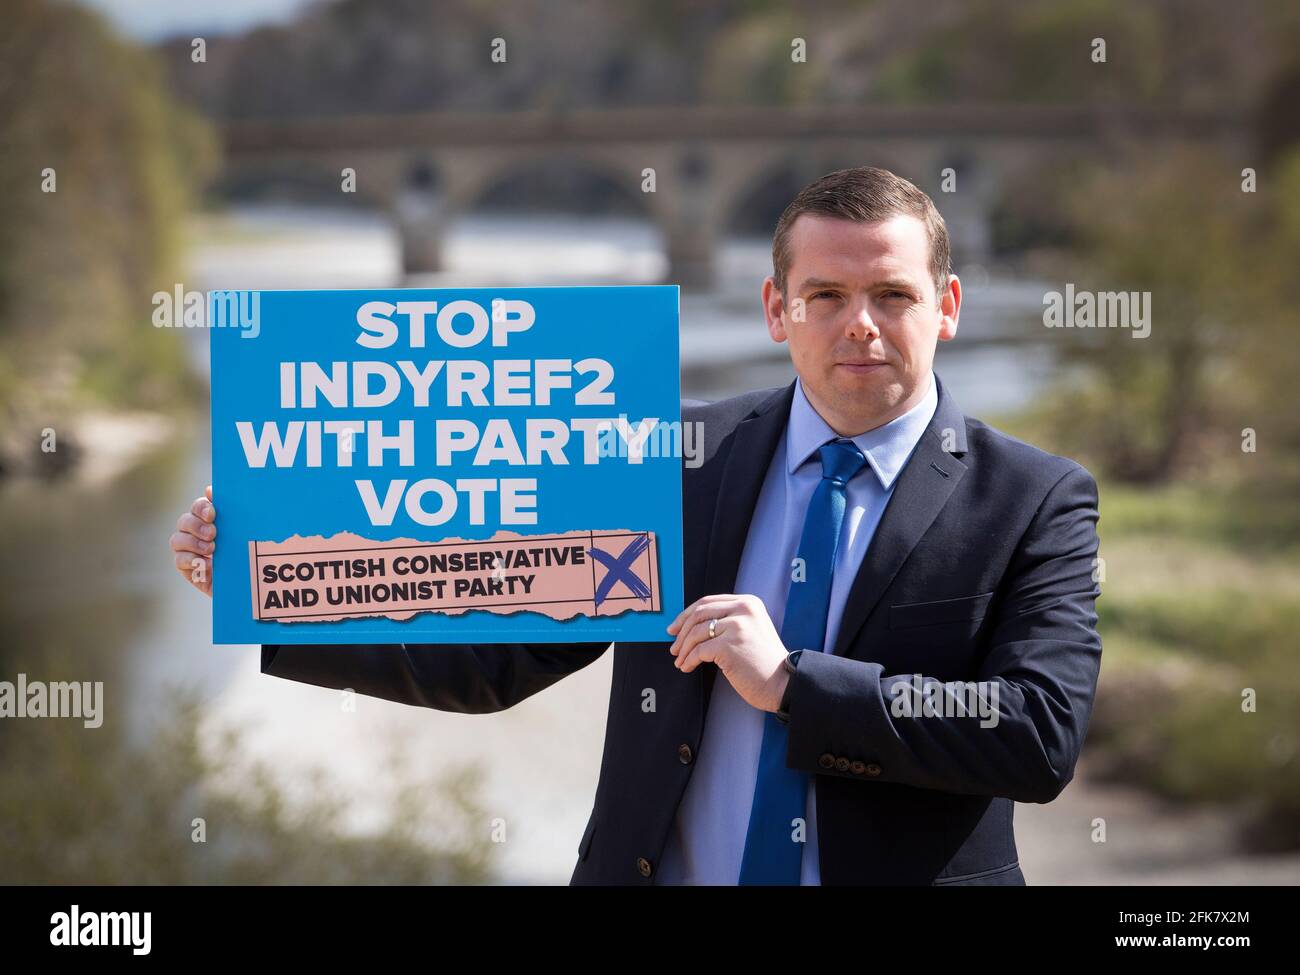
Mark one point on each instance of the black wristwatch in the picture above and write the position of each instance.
(783, 709)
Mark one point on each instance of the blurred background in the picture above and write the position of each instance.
(208, 145)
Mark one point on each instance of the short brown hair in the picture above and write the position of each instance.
(870, 195)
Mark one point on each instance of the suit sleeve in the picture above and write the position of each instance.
(464, 679)
(1044, 658)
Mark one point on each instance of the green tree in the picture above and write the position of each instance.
(88, 115)
(1218, 357)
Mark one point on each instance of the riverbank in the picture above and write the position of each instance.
(92, 447)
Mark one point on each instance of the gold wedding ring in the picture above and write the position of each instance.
(713, 628)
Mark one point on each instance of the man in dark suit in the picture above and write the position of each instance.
(899, 600)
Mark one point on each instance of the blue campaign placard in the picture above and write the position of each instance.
(486, 465)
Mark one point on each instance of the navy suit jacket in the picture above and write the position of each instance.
(981, 569)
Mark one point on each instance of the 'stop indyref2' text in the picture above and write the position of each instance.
(454, 382)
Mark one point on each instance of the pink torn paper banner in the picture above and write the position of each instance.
(578, 573)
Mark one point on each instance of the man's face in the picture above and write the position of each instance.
(870, 316)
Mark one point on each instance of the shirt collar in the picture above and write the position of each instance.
(886, 448)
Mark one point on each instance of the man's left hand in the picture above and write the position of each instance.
(746, 648)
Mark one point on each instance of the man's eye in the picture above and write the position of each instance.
(897, 294)
(822, 294)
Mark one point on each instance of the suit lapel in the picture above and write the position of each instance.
(754, 441)
(927, 480)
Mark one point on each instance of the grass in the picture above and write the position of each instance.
(1199, 695)
(1200, 690)
(80, 807)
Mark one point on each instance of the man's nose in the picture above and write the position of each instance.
(860, 325)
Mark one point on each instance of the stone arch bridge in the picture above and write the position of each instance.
(427, 169)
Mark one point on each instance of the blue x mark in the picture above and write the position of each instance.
(620, 569)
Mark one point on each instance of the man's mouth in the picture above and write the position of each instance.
(861, 366)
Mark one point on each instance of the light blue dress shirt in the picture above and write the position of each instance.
(707, 841)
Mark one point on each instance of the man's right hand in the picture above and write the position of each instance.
(194, 541)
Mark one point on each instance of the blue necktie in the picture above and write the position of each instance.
(772, 855)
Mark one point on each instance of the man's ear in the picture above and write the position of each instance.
(774, 309)
(949, 309)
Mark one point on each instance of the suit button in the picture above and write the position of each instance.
(841, 764)
(643, 865)
(857, 768)
(827, 761)
(873, 769)
(684, 754)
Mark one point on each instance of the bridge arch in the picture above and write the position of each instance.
(753, 204)
(587, 179)
(574, 181)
